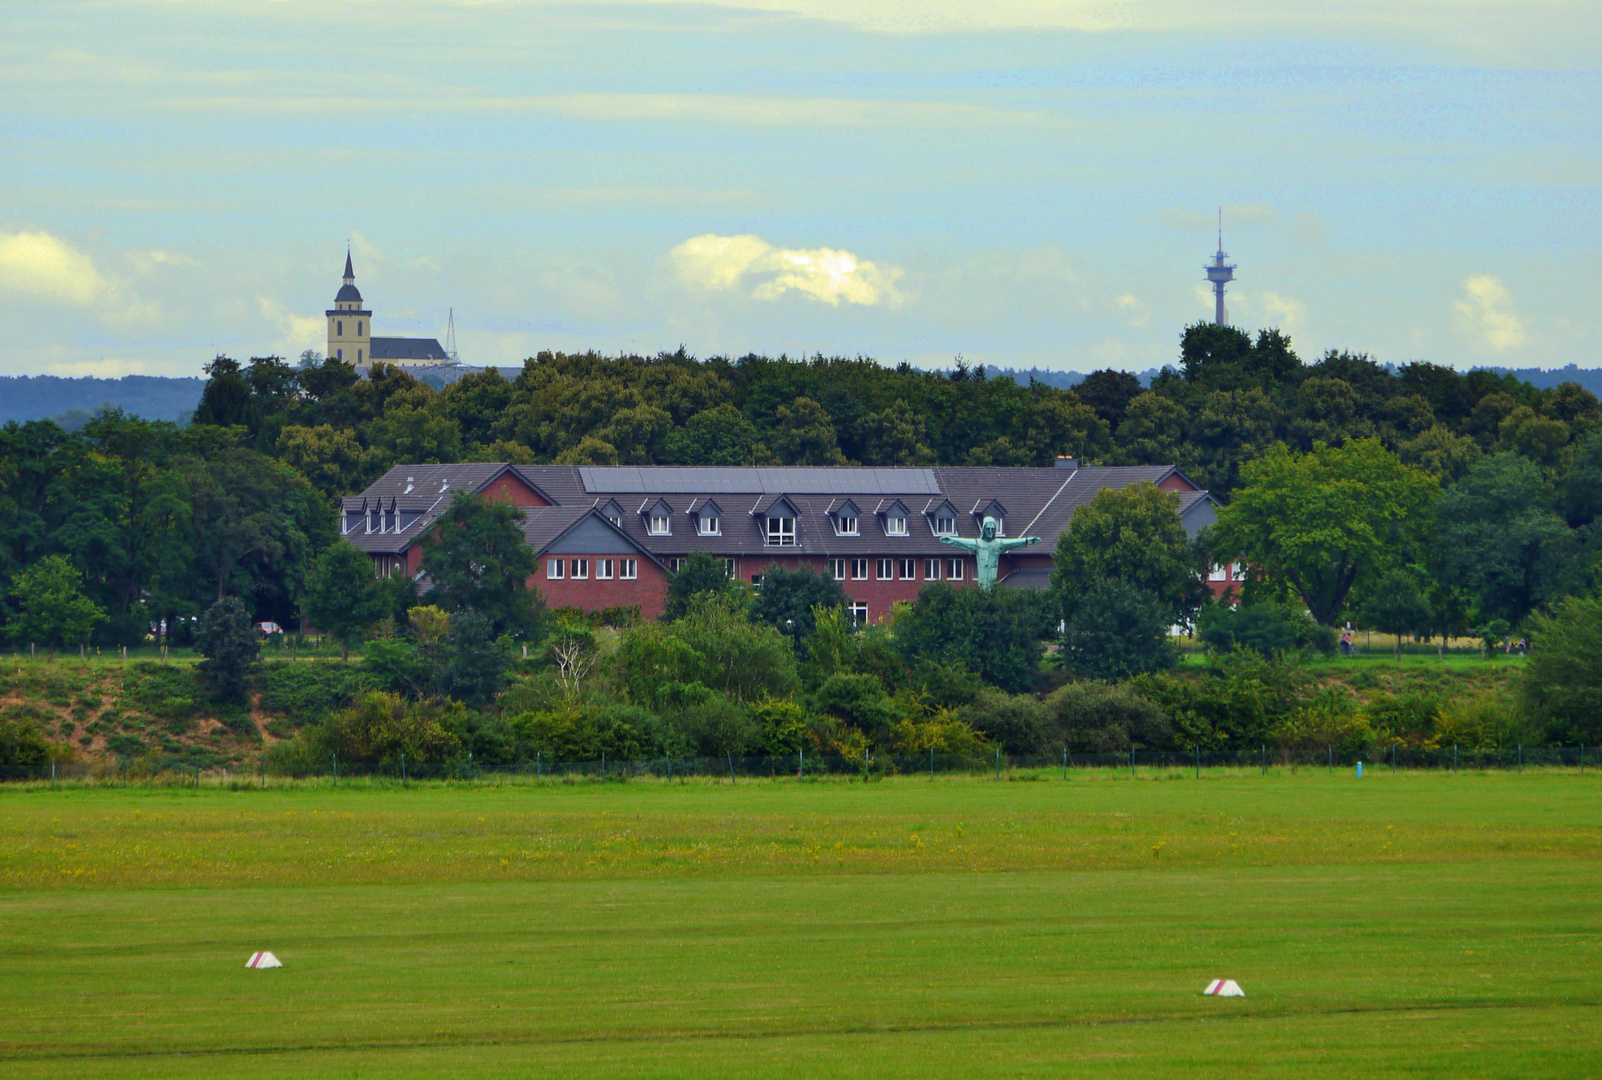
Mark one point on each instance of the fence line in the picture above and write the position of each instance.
(803, 765)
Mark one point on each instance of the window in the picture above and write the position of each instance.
(1218, 573)
(886, 569)
(859, 569)
(953, 569)
(931, 569)
(909, 569)
(731, 567)
(340, 354)
(895, 526)
(358, 328)
(358, 356)
(781, 531)
(628, 569)
(339, 328)
(838, 566)
(674, 564)
(859, 613)
(555, 569)
(660, 525)
(709, 526)
(581, 569)
(603, 569)
(945, 525)
(847, 526)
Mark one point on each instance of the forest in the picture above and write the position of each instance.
(1419, 502)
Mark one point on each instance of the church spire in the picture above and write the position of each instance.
(350, 275)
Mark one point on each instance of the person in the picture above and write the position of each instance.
(1346, 641)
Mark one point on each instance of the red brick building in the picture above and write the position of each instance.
(610, 536)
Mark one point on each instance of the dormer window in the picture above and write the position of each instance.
(945, 524)
(895, 518)
(709, 525)
(781, 531)
(613, 513)
(994, 510)
(847, 519)
(848, 526)
(658, 518)
(661, 525)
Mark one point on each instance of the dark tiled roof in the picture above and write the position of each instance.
(1039, 502)
(406, 348)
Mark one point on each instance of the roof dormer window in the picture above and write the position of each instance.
(660, 525)
(848, 526)
(945, 524)
(709, 525)
(895, 525)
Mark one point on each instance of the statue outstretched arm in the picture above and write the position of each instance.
(960, 542)
(1022, 541)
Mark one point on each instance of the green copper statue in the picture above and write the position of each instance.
(988, 550)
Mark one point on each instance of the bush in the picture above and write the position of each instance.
(1562, 680)
(1235, 704)
(230, 647)
(1266, 628)
(583, 731)
(1018, 723)
(1117, 631)
(379, 728)
(23, 744)
(1096, 718)
(167, 691)
(860, 701)
(997, 634)
(305, 690)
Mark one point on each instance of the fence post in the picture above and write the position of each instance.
(1582, 759)
(1198, 761)
(800, 762)
(931, 763)
(998, 763)
(336, 769)
(670, 768)
(403, 772)
(1065, 762)
(731, 766)
(52, 772)
(1521, 757)
(262, 762)
(1331, 761)
(1264, 748)
(1131, 761)
(1454, 759)
(603, 765)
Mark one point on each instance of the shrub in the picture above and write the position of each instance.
(1096, 718)
(1234, 704)
(166, 691)
(1562, 681)
(306, 690)
(583, 731)
(995, 634)
(230, 647)
(1264, 627)
(23, 744)
(860, 701)
(1018, 723)
(1117, 630)
(379, 728)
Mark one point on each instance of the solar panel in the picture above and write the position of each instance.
(712, 480)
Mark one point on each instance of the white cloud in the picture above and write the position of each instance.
(41, 264)
(1273, 309)
(1484, 312)
(726, 263)
(297, 333)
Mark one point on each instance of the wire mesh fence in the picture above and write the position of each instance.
(802, 765)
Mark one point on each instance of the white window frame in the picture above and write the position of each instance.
(945, 526)
(908, 569)
(931, 569)
(731, 567)
(859, 613)
(848, 526)
(555, 569)
(895, 526)
(674, 565)
(581, 569)
(660, 525)
(780, 532)
(885, 570)
(628, 569)
(603, 569)
(837, 569)
(954, 569)
(859, 569)
(709, 526)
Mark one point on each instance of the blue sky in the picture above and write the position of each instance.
(1023, 182)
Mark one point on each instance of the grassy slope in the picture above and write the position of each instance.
(1418, 925)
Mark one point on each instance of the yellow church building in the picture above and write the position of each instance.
(350, 334)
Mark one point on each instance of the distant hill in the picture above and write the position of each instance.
(36, 397)
(1062, 380)
(1547, 378)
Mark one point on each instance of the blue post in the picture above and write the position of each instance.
(1360, 770)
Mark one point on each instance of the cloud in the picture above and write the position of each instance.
(1483, 310)
(297, 332)
(38, 263)
(726, 263)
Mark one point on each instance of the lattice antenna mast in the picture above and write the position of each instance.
(450, 337)
(1220, 272)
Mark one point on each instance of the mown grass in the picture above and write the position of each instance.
(1416, 925)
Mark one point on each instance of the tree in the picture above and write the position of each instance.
(788, 599)
(746, 661)
(229, 644)
(1109, 393)
(342, 595)
(717, 436)
(698, 574)
(1501, 540)
(1131, 535)
(1322, 522)
(1562, 681)
(1263, 627)
(805, 435)
(226, 401)
(478, 561)
(1398, 603)
(1117, 630)
(996, 634)
(477, 666)
(53, 609)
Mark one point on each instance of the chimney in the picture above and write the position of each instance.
(1067, 463)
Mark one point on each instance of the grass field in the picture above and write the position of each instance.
(1410, 925)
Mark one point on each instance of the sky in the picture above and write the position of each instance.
(1019, 182)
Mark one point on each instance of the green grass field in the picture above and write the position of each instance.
(1420, 925)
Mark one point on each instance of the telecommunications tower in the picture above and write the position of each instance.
(450, 337)
(1220, 273)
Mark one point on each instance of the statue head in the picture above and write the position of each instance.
(988, 529)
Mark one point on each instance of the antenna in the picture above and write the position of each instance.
(450, 337)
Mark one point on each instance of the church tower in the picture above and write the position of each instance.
(350, 326)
